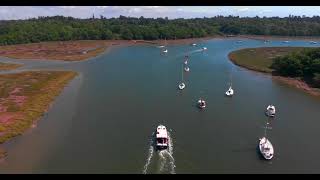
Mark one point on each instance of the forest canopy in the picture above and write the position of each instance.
(304, 64)
(60, 28)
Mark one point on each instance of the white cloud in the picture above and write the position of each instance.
(68, 7)
(243, 9)
(265, 11)
(102, 7)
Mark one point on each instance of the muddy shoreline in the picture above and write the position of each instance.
(261, 37)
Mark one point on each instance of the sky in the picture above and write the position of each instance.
(172, 12)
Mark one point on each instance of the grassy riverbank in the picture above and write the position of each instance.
(261, 59)
(25, 97)
(67, 50)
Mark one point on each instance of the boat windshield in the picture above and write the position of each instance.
(162, 140)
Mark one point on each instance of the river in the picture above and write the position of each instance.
(103, 120)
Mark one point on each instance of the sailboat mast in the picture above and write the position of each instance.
(265, 130)
(182, 74)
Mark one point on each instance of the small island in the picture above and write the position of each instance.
(296, 66)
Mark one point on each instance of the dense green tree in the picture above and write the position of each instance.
(59, 28)
(305, 63)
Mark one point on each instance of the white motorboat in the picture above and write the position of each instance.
(162, 139)
(161, 46)
(229, 92)
(271, 111)
(313, 42)
(285, 41)
(204, 49)
(165, 51)
(186, 62)
(201, 103)
(194, 44)
(187, 69)
(266, 148)
(182, 86)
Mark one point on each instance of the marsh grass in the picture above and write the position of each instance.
(39, 89)
(260, 59)
(66, 50)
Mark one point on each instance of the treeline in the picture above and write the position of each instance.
(59, 28)
(304, 64)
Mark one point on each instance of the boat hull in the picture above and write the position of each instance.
(266, 148)
(181, 87)
(201, 105)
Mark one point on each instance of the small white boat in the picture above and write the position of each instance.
(229, 92)
(313, 42)
(161, 46)
(201, 103)
(182, 86)
(204, 49)
(162, 139)
(239, 41)
(186, 59)
(194, 44)
(187, 69)
(285, 41)
(271, 111)
(266, 148)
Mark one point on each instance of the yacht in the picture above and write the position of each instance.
(201, 103)
(266, 148)
(182, 86)
(161, 138)
(271, 111)
(229, 92)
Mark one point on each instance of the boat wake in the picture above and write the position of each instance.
(163, 159)
(148, 160)
(195, 51)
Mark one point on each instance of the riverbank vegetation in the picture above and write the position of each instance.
(8, 66)
(59, 28)
(297, 66)
(260, 59)
(67, 50)
(304, 64)
(25, 97)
